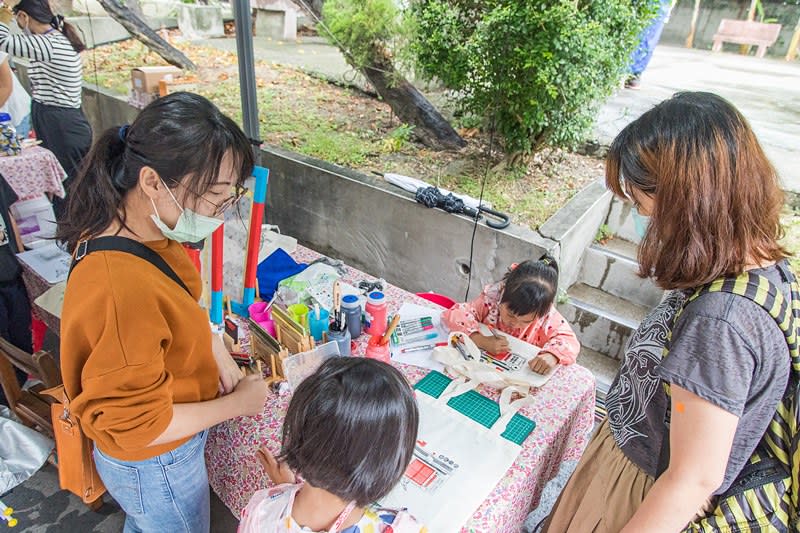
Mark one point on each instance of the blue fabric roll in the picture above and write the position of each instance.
(276, 267)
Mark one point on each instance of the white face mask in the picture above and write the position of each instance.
(640, 222)
(191, 226)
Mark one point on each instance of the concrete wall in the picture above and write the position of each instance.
(97, 30)
(198, 21)
(575, 226)
(384, 232)
(713, 11)
(104, 109)
(381, 229)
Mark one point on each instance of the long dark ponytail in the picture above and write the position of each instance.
(40, 11)
(182, 136)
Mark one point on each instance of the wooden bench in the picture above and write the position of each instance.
(746, 32)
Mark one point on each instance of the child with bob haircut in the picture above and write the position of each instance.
(349, 433)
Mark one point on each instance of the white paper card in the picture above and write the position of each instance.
(50, 262)
(422, 358)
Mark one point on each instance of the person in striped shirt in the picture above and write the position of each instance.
(53, 47)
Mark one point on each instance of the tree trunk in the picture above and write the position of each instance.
(744, 49)
(693, 26)
(141, 31)
(751, 13)
(792, 53)
(316, 7)
(410, 105)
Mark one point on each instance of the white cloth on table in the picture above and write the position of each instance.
(23, 451)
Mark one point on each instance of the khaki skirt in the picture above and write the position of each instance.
(603, 493)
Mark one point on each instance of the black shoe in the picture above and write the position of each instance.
(633, 82)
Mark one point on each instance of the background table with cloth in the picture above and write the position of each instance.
(34, 172)
(563, 411)
(36, 286)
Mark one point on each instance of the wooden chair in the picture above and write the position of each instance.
(32, 408)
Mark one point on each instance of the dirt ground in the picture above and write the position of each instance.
(353, 129)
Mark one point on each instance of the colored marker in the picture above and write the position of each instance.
(422, 348)
(427, 337)
(412, 327)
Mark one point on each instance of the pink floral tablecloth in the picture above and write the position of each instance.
(36, 286)
(33, 172)
(563, 412)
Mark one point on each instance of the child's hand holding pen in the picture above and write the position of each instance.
(494, 343)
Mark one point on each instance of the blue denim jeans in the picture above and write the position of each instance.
(166, 493)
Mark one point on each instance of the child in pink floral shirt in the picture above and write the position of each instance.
(520, 305)
(349, 433)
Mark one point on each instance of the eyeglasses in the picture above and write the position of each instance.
(237, 191)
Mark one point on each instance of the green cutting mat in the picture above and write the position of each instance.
(477, 407)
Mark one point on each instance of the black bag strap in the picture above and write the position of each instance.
(786, 312)
(123, 244)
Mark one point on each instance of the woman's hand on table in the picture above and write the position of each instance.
(278, 473)
(543, 363)
(229, 372)
(250, 394)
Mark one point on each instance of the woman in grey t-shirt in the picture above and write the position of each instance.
(694, 167)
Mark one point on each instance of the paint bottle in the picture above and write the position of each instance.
(376, 350)
(375, 314)
(342, 339)
(9, 143)
(351, 308)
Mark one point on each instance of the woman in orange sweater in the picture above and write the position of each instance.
(144, 373)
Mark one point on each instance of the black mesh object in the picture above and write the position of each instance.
(433, 197)
(428, 196)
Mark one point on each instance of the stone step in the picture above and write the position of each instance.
(603, 322)
(612, 267)
(620, 222)
(621, 248)
(605, 370)
(602, 366)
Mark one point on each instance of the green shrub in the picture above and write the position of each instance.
(536, 69)
(359, 25)
(398, 138)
